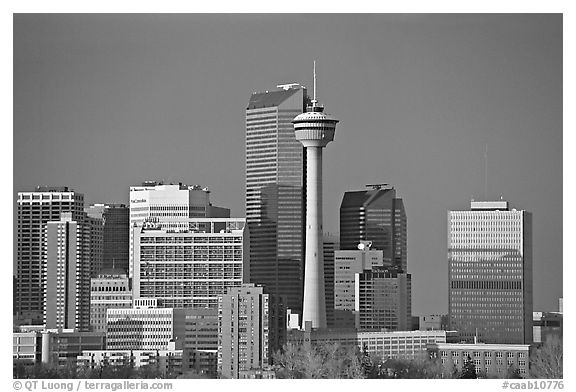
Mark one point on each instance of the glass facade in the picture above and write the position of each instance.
(275, 204)
(375, 215)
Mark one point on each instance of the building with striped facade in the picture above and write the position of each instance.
(34, 210)
(490, 273)
(192, 267)
(170, 206)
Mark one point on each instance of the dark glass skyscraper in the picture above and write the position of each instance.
(275, 182)
(375, 215)
(116, 221)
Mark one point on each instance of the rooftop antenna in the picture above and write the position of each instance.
(314, 101)
(486, 172)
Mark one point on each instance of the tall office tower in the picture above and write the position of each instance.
(330, 246)
(116, 221)
(314, 129)
(190, 268)
(490, 273)
(145, 327)
(384, 300)
(375, 215)
(245, 338)
(275, 192)
(71, 248)
(110, 289)
(35, 209)
(170, 206)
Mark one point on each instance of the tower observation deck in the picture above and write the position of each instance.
(314, 129)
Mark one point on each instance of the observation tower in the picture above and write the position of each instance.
(314, 129)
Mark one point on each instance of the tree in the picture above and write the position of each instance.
(546, 361)
(329, 360)
(469, 369)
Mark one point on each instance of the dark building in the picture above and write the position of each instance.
(330, 245)
(384, 299)
(34, 210)
(275, 182)
(375, 215)
(116, 223)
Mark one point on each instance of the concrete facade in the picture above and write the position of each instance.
(191, 268)
(490, 273)
(34, 210)
(110, 289)
(251, 328)
(170, 205)
(492, 360)
(73, 247)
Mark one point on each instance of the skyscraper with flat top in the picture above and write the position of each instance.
(72, 247)
(490, 273)
(34, 210)
(170, 206)
(275, 185)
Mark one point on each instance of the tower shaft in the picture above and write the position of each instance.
(314, 297)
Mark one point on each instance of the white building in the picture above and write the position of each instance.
(489, 359)
(73, 247)
(490, 273)
(191, 268)
(394, 344)
(169, 205)
(108, 290)
(144, 327)
(166, 361)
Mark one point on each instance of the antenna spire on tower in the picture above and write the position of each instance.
(314, 101)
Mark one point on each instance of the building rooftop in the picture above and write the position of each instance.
(270, 98)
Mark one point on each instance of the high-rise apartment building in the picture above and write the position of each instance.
(110, 289)
(71, 249)
(116, 221)
(34, 210)
(170, 207)
(490, 273)
(246, 338)
(375, 215)
(275, 189)
(192, 267)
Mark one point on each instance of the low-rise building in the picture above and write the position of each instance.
(165, 361)
(489, 359)
(385, 344)
(144, 327)
(545, 325)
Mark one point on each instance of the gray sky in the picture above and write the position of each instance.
(102, 102)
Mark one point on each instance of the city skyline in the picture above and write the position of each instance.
(130, 98)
